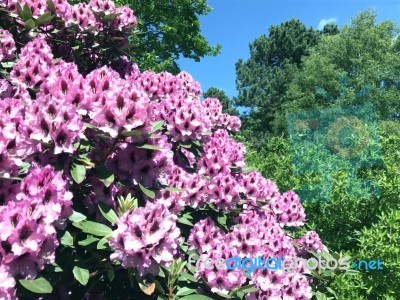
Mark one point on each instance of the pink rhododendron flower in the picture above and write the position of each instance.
(146, 238)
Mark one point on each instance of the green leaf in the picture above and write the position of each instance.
(78, 172)
(161, 273)
(187, 146)
(30, 24)
(131, 133)
(89, 240)
(187, 277)
(331, 291)
(154, 136)
(57, 268)
(108, 213)
(222, 220)
(43, 19)
(20, 11)
(196, 297)
(247, 170)
(147, 192)
(185, 221)
(81, 274)
(90, 29)
(156, 126)
(244, 289)
(27, 13)
(77, 217)
(185, 291)
(8, 64)
(104, 175)
(110, 274)
(94, 228)
(38, 286)
(102, 244)
(173, 189)
(110, 17)
(51, 7)
(67, 240)
(151, 147)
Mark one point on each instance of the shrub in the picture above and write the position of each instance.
(360, 227)
(111, 177)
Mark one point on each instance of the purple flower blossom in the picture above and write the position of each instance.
(7, 45)
(145, 238)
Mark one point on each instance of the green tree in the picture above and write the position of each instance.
(227, 103)
(167, 30)
(262, 80)
(359, 65)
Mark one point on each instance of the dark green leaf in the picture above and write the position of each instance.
(151, 147)
(90, 29)
(147, 192)
(30, 24)
(20, 11)
(27, 13)
(37, 286)
(51, 7)
(43, 19)
(110, 274)
(131, 133)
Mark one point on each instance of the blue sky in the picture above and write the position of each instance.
(236, 23)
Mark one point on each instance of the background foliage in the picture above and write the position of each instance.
(358, 65)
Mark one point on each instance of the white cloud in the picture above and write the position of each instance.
(323, 22)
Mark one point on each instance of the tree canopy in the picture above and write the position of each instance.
(262, 80)
(359, 65)
(166, 31)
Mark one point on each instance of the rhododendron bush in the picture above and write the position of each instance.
(111, 176)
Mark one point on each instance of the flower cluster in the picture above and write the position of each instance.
(141, 165)
(33, 64)
(28, 239)
(288, 209)
(81, 14)
(116, 106)
(258, 234)
(145, 238)
(258, 188)
(7, 284)
(280, 285)
(192, 185)
(310, 241)
(7, 45)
